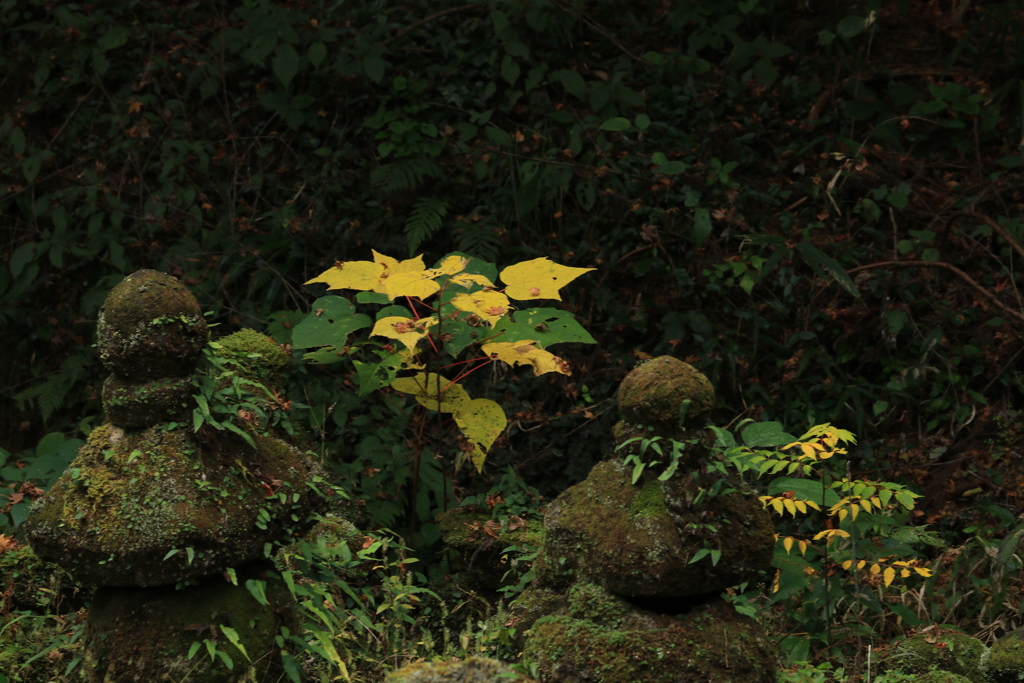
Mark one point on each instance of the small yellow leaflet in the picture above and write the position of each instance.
(425, 386)
(489, 305)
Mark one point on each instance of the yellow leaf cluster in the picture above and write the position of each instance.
(537, 279)
(788, 542)
(481, 420)
(526, 352)
(888, 570)
(782, 504)
(852, 505)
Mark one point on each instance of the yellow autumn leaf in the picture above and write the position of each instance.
(888, 575)
(481, 421)
(427, 387)
(367, 275)
(452, 264)
(803, 547)
(787, 543)
(360, 275)
(540, 278)
(905, 573)
(409, 331)
(801, 506)
(866, 505)
(777, 504)
(847, 564)
(393, 267)
(874, 569)
(469, 279)
(923, 571)
(790, 506)
(526, 352)
(419, 284)
(489, 305)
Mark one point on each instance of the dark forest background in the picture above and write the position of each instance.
(817, 204)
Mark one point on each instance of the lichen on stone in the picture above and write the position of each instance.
(947, 650)
(470, 670)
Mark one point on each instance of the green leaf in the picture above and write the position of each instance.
(331, 321)
(851, 26)
(642, 121)
(22, 256)
(1013, 161)
(765, 72)
(572, 82)
(616, 124)
(701, 226)
(115, 37)
(374, 67)
(232, 635)
(510, 70)
(819, 261)
(17, 140)
(31, 167)
(258, 589)
(546, 326)
(286, 63)
(803, 489)
(316, 54)
(766, 435)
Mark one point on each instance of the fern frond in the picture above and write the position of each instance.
(403, 174)
(424, 221)
(480, 239)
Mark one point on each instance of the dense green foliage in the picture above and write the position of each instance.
(773, 191)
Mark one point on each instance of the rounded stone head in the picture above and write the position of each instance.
(151, 327)
(653, 394)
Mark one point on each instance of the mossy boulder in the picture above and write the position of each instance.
(950, 651)
(134, 405)
(143, 635)
(532, 604)
(652, 394)
(942, 677)
(470, 670)
(711, 643)
(257, 357)
(151, 327)
(158, 506)
(1005, 661)
(482, 542)
(639, 540)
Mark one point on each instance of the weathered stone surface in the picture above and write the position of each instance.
(151, 327)
(951, 651)
(1003, 663)
(652, 394)
(143, 635)
(134, 405)
(638, 541)
(131, 497)
(602, 638)
(469, 670)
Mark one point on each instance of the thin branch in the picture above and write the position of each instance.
(409, 29)
(1016, 315)
(604, 32)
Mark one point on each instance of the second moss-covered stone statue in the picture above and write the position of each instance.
(170, 507)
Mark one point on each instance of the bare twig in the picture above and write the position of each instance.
(426, 20)
(1016, 315)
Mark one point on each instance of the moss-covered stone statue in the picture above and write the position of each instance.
(624, 591)
(171, 521)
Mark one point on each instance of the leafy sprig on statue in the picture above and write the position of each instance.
(444, 310)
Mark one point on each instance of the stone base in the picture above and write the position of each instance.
(603, 638)
(143, 635)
